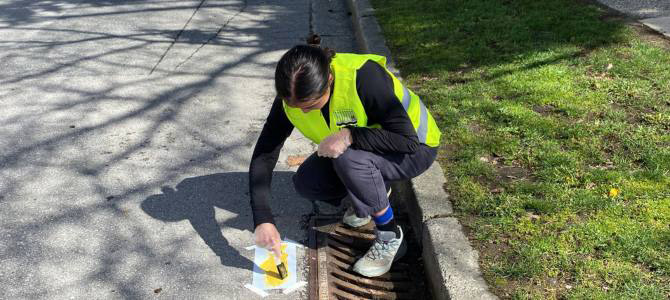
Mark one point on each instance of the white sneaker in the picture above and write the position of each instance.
(379, 258)
(352, 220)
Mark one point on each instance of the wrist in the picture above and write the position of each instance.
(347, 136)
(265, 225)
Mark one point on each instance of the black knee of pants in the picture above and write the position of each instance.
(316, 180)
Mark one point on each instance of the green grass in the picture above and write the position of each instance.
(545, 107)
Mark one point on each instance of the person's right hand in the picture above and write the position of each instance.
(335, 144)
(268, 237)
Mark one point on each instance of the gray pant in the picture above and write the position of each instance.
(361, 176)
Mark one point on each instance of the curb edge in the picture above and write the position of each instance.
(447, 264)
(369, 37)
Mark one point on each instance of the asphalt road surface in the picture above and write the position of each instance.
(126, 131)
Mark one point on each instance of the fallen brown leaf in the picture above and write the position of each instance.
(497, 190)
(295, 160)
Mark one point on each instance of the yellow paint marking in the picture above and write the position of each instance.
(271, 274)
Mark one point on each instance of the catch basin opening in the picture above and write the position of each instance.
(335, 247)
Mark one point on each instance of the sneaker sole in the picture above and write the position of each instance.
(356, 225)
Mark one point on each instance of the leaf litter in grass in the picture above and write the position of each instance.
(448, 151)
(549, 109)
(503, 174)
(544, 110)
(475, 128)
(651, 36)
(607, 166)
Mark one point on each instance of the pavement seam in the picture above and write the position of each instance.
(452, 267)
(244, 7)
(440, 216)
(311, 16)
(177, 37)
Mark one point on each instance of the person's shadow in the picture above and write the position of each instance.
(194, 200)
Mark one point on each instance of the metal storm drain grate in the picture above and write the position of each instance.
(335, 247)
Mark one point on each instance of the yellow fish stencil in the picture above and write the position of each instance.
(270, 268)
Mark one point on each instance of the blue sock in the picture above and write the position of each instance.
(385, 218)
(386, 222)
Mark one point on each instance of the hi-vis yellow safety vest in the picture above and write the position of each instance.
(345, 107)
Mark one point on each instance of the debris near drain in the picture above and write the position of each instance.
(335, 247)
(295, 160)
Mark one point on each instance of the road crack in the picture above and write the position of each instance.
(244, 7)
(311, 18)
(177, 37)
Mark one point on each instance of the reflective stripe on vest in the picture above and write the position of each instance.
(422, 131)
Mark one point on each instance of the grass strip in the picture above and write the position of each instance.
(556, 139)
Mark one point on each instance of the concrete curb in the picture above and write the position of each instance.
(658, 23)
(451, 264)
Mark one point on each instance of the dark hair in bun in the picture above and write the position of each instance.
(302, 72)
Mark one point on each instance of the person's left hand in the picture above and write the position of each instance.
(335, 144)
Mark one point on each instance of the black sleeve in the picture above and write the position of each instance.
(276, 130)
(397, 135)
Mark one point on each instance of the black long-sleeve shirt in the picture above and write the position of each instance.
(375, 89)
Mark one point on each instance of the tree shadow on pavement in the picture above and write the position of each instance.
(103, 135)
(196, 199)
